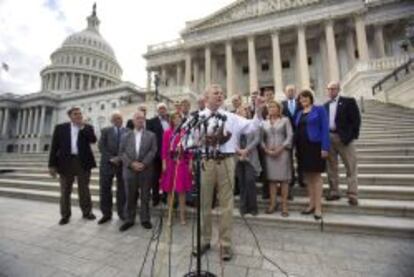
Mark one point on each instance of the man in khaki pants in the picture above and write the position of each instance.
(220, 171)
(344, 125)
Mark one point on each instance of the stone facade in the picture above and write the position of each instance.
(250, 45)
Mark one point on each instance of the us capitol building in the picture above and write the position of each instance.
(245, 46)
(252, 44)
(83, 72)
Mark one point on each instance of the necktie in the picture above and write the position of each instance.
(292, 107)
(243, 141)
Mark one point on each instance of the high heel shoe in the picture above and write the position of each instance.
(317, 216)
(307, 212)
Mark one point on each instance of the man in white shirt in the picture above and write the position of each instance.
(137, 151)
(220, 172)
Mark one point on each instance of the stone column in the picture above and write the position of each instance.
(24, 123)
(350, 47)
(229, 69)
(179, 71)
(81, 81)
(187, 74)
(254, 84)
(379, 41)
(304, 79)
(5, 122)
(73, 81)
(196, 73)
(324, 61)
(36, 121)
(19, 122)
(56, 81)
(89, 82)
(1, 118)
(53, 121)
(207, 68)
(149, 80)
(332, 52)
(42, 121)
(361, 36)
(163, 76)
(29, 122)
(277, 63)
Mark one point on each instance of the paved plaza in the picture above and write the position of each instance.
(33, 244)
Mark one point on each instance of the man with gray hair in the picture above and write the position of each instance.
(110, 167)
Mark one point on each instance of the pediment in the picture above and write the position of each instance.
(246, 9)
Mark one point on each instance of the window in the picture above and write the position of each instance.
(93, 62)
(114, 105)
(265, 67)
(74, 60)
(87, 61)
(285, 64)
(80, 60)
(102, 107)
(309, 60)
(245, 70)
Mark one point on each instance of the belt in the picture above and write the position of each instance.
(218, 156)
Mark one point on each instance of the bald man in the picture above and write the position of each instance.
(344, 125)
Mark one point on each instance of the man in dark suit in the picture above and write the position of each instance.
(158, 125)
(344, 126)
(110, 167)
(138, 149)
(71, 156)
(291, 108)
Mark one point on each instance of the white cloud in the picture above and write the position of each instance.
(31, 30)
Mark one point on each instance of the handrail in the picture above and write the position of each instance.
(393, 74)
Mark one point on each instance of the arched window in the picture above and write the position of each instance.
(87, 61)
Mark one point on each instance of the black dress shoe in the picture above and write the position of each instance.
(317, 216)
(203, 249)
(89, 216)
(146, 225)
(64, 221)
(227, 254)
(126, 226)
(104, 219)
(332, 197)
(155, 203)
(353, 201)
(306, 212)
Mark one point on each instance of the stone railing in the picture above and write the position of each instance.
(165, 45)
(381, 64)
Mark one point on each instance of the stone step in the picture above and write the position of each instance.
(365, 191)
(354, 223)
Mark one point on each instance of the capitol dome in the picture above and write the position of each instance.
(85, 61)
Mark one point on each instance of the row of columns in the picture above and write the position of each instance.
(31, 121)
(73, 81)
(328, 46)
(4, 120)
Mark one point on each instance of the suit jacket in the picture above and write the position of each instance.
(287, 113)
(252, 142)
(60, 151)
(154, 125)
(317, 126)
(109, 147)
(347, 119)
(147, 151)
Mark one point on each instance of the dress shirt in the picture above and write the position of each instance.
(138, 136)
(236, 125)
(333, 105)
(164, 123)
(292, 106)
(74, 133)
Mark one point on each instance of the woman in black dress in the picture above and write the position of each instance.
(312, 144)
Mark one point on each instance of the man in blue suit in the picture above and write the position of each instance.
(344, 126)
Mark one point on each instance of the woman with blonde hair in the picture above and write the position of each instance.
(277, 137)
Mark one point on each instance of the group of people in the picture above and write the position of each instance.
(149, 160)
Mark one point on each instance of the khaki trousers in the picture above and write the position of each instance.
(349, 158)
(220, 173)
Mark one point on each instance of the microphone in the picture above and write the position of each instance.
(180, 126)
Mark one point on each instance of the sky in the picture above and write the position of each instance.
(30, 30)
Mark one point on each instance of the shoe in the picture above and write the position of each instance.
(317, 216)
(353, 201)
(227, 254)
(332, 197)
(270, 210)
(146, 225)
(155, 203)
(254, 213)
(104, 219)
(306, 212)
(121, 217)
(126, 226)
(89, 216)
(64, 221)
(284, 214)
(203, 249)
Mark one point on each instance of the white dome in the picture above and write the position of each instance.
(85, 61)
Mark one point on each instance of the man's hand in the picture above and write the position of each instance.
(277, 151)
(137, 166)
(115, 161)
(53, 172)
(324, 154)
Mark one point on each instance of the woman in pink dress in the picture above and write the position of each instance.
(172, 153)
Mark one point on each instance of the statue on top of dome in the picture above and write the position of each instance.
(94, 9)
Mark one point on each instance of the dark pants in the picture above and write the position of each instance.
(298, 172)
(246, 176)
(66, 181)
(135, 182)
(105, 187)
(155, 188)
